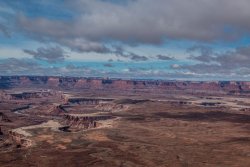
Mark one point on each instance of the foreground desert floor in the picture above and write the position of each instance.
(173, 130)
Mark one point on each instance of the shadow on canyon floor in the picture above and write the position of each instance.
(215, 116)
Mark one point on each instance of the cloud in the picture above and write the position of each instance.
(231, 62)
(145, 21)
(205, 53)
(235, 59)
(163, 57)
(175, 66)
(50, 55)
(90, 26)
(108, 65)
(14, 66)
(81, 45)
(156, 74)
(119, 51)
(136, 57)
(202, 68)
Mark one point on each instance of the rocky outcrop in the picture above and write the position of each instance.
(57, 110)
(87, 101)
(84, 122)
(112, 107)
(21, 108)
(156, 86)
(19, 139)
(130, 101)
(4, 95)
(4, 118)
(210, 104)
(178, 103)
(64, 128)
(119, 105)
(245, 109)
(33, 94)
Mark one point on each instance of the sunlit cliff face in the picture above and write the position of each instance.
(162, 39)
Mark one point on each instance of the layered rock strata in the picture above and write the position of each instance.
(157, 86)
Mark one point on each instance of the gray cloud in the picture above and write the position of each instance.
(231, 62)
(206, 69)
(51, 55)
(120, 52)
(205, 53)
(235, 59)
(93, 28)
(108, 65)
(146, 21)
(136, 57)
(81, 45)
(163, 57)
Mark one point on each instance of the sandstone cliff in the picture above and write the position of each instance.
(156, 86)
(20, 140)
(84, 122)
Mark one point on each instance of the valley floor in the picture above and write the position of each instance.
(175, 130)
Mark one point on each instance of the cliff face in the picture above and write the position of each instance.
(4, 118)
(122, 85)
(84, 122)
(19, 139)
(87, 101)
(111, 107)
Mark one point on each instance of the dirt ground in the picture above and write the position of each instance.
(165, 131)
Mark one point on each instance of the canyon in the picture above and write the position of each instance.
(118, 122)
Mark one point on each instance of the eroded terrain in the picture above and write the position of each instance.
(45, 127)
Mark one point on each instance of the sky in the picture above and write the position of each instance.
(142, 39)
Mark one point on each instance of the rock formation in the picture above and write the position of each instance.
(84, 122)
(112, 107)
(57, 110)
(21, 108)
(88, 101)
(157, 86)
(33, 94)
(4, 118)
(178, 103)
(19, 139)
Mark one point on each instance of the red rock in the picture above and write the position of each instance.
(125, 85)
